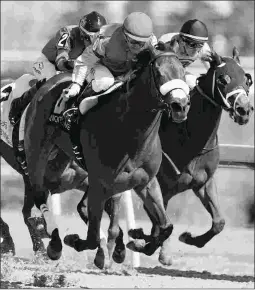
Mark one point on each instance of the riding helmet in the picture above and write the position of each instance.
(92, 22)
(138, 26)
(195, 30)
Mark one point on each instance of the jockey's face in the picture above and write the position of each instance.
(87, 36)
(189, 47)
(134, 45)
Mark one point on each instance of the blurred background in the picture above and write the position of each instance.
(26, 26)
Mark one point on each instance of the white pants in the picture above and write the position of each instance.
(43, 68)
(101, 78)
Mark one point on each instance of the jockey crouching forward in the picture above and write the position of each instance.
(109, 57)
(189, 44)
(58, 55)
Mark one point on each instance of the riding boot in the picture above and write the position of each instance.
(18, 105)
(71, 116)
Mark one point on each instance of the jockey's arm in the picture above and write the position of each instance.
(84, 63)
(63, 45)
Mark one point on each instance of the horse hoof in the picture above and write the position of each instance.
(119, 255)
(54, 249)
(185, 238)
(70, 240)
(165, 260)
(52, 254)
(99, 260)
(136, 233)
(136, 246)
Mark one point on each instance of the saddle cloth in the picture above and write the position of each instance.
(60, 105)
(18, 88)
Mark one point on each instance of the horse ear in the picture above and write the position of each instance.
(161, 46)
(216, 59)
(236, 55)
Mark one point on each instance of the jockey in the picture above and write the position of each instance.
(110, 57)
(59, 54)
(189, 44)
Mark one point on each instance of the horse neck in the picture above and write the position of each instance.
(143, 122)
(207, 113)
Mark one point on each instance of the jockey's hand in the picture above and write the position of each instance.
(72, 91)
(65, 65)
(206, 53)
(190, 80)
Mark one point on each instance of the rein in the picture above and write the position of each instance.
(207, 150)
(162, 102)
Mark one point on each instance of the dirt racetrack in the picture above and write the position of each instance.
(225, 262)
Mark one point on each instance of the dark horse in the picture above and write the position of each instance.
(193, 144)
(126, 124)
(61, 174)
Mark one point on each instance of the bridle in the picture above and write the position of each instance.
(162, 104)
(228, 107)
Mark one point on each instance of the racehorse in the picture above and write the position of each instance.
(57, 179)
(72, 176)
(126, 122)
(61, 175)
(193, 144)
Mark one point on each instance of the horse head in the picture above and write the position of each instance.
(166, 77)
(227, 85)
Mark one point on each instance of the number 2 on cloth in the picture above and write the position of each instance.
(63, 39)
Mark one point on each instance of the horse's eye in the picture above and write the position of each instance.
(249, 81)
(224, 79)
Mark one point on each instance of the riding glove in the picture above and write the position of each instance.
(73, 90)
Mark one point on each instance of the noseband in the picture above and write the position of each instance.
(163, 105)
(227, 105)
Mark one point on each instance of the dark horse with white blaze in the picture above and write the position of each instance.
(120, 142)
(193, 144)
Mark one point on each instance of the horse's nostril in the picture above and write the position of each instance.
(241, 111)
(176, 107)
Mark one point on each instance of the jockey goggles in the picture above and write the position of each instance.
(191, 44)
(134, 42)
(85, 33)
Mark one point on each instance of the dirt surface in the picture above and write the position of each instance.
(225, 262)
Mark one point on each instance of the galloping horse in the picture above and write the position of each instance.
(193, 144)
(57, 179)
(61, 175)
(126, 123)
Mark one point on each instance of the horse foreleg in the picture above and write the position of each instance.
(36, 164)
(6, 244)
(91, 212)
(209, 198)
(33, 224)
(153, 201)
(115, 233)
(82, 209)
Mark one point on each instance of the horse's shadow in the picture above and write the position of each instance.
(160, 271)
